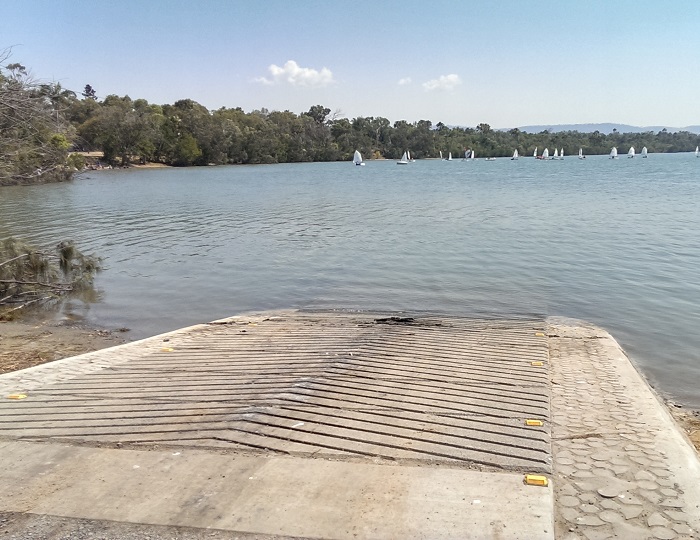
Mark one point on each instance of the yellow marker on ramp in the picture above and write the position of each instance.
(536, 480)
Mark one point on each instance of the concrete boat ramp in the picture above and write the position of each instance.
(346, 426)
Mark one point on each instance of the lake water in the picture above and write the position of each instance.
(615, 242)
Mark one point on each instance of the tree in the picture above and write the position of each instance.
(32, 128)
(186, 151)
(318, 113)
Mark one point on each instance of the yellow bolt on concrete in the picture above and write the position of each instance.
(17, 396)
(167, 349)
(538, 364)
(532, 422)
(536, 480)
(539, 334)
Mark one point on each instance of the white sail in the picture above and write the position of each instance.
(545, 153)
(561, 154)
(630, 152)
(644, 152)
(556, 154)
(403, 160)
(515, 154)
(697, 151)
(357, 158)
(613, 153)
(580, 153)
(440, 154)
(534, 154)
(449, 156)
(473, 154)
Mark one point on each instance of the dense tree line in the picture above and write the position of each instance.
(41, 124)
(187, 133)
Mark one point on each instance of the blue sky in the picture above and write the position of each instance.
(506, 63)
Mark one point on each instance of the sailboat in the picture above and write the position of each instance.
(644, 152)
(408, 155)
(534, 154)
(403, 160)
(515, 155)
(613, 153)
(556, 154)
(473, 154)
(580, 154)
(357, 158)
(630, 152)
(561, 154)
(440, 154)
(545, 154)
(449, 156)
(697, 151)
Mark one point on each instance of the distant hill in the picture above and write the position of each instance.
(606, 128)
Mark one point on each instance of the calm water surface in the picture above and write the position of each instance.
(615, 242)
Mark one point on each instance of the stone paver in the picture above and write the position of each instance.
(616, 450)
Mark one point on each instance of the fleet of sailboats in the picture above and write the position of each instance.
(470, 154)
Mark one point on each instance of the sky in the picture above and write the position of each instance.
(506, 63)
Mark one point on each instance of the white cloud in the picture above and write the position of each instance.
(292, 73)
(444, 82)
(404, 81)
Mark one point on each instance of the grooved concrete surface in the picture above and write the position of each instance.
(292, 425)
(421, 390)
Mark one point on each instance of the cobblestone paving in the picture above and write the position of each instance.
(612, 475)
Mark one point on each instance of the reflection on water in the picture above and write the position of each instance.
(611, 241)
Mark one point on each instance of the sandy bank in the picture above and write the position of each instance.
(25, 344)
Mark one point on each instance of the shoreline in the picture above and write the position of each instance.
(27, 343)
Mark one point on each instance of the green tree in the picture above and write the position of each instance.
(33, 132)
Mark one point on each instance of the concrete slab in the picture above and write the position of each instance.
(269, 495)
(292, 425)
(298, 425)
